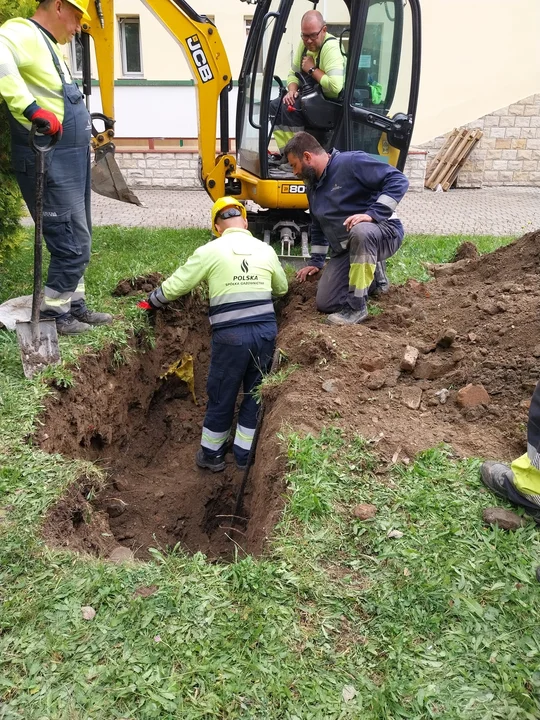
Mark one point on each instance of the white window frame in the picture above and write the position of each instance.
(122, 21)
(73, 58)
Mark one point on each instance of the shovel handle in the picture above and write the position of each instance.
(42, 149)
(40, 152)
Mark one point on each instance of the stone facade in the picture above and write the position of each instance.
(415, 169)
(175, 170)
(179, 169)
(509, 151)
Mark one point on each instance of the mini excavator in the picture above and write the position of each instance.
(381, 43)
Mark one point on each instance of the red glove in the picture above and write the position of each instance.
(47, 122)
(144, 305)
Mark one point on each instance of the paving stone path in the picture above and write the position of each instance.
(489, 211)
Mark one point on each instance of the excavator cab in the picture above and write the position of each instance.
(380, 44)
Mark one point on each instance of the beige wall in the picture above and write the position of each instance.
(478, 56)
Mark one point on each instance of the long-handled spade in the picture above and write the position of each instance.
(38, 339)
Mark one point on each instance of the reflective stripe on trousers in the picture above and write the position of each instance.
(347, 276)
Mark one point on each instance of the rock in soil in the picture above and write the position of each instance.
(330, 386)
(115, 507)
(121, 555)
(505, 519)
(472, 395)
(364, 512)
(410, 358)
(411, 397)
(447, 337)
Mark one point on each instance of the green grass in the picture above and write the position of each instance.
(419, 249)
(337, 621)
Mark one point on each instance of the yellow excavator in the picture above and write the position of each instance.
(381, 43)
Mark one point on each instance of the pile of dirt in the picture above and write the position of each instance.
(453, 360)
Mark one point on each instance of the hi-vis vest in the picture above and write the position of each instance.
(27, 71)
(242, 273)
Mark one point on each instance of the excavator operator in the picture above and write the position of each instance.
(242, 273)
(38, 89)
(318, 60)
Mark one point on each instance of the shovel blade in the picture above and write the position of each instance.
(108, 180)
(38, 343)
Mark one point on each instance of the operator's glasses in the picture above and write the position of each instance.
(311, 36)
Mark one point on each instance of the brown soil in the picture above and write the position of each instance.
(144, 431)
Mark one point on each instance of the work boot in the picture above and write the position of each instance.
(69, 325)
(215, 464)
(496, 476)
(347, 316)
(92, 318)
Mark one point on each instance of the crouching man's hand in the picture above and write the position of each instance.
(353, 220)
(303, 274)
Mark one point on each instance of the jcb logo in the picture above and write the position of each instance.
(293, 189)
(199, 58)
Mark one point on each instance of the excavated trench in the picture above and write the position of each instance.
(472, 334)
(143, 430)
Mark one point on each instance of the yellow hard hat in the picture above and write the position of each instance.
(226, 202)
(81, 5)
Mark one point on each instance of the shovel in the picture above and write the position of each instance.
(38, 339)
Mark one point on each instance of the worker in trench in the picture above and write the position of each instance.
(352, 201)
(38, 89)
(243, 274)
(519, 483)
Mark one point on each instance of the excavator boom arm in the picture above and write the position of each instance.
(203, 49)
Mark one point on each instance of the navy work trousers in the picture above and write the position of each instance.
(241, 355)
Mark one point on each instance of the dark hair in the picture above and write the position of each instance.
(303, 142)
(45, 3)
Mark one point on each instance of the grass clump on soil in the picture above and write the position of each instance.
(339, 620)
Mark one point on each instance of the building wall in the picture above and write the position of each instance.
(509, 151)
(478, 55)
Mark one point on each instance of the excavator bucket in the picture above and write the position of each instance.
(108, 180)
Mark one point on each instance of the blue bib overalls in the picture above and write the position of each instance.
(67, 224)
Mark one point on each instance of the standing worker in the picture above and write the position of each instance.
(242, 273)
(352, 198)
(318, 60)
(38, 88)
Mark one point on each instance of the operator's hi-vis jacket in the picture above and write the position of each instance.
(242, 273)
(27, 72)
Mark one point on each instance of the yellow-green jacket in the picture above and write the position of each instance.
(331, 62)
(27, 71)
(242, 273)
